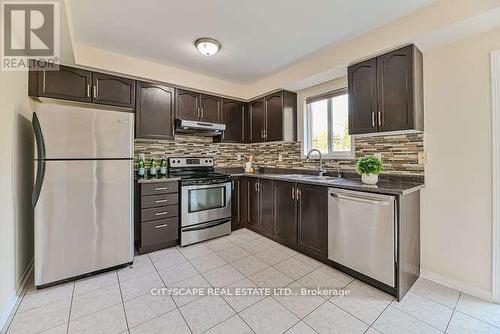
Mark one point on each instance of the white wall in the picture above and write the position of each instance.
(456, 230)
(16, 179)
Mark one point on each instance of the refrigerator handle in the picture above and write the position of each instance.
(40, 148)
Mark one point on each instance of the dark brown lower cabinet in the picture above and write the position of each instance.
(253, 204)
(237, 203)
(156, 215)
(266, 191)
(312, 219)
(300, 221)
(285, 212)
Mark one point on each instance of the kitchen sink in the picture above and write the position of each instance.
(310, 177)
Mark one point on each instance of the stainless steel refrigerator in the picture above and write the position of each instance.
(83, 193)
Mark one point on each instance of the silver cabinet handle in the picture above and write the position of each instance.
(293, 193)
(95, 92)
(379, 118)
(161, 213)
(297, 193)
(161, 226)
(202, 113)
(255, 186)
(161, 188)
(262, 134)
(198, 112)
(161, 201)
(88, 90)
(373, 119)
(265, 134)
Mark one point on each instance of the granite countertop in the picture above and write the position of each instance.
(156, 180)
(391, 187)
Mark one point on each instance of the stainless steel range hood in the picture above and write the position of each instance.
(201, 128)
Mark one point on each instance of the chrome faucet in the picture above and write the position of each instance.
(322, 169)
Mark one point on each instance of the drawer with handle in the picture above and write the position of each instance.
(159, 188)
(159, 213)
(159, 231)
(154, 201)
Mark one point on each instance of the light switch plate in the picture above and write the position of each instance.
(280, 157)
(238, 156)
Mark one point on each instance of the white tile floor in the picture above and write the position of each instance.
(121, 302)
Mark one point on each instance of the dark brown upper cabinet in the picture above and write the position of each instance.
(273, 118)
(83, 86)
(312, 219)
(232, 115)
(362, 87)
(210, 108)
(68, 83)
(187, 105)
(113, 90)
(257, 121)
(386, 92)
(198, 107)
(154, 111)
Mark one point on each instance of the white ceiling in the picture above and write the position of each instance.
(258, 37)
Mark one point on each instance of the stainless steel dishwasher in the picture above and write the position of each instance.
(361, 233)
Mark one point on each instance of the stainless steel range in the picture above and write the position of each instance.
(205, 199)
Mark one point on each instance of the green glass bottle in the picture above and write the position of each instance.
(163, 166)
(140, 167)
(153, 167)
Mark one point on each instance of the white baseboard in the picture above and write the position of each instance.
(7, 310)
(456, 284)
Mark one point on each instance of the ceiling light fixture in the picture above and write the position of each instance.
(207, 46)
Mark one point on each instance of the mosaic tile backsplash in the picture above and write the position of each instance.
(399, 152)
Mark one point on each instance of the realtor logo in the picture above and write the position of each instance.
(30, 35)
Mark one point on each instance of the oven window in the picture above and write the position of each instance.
(207, 199)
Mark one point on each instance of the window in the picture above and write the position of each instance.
(326, 125)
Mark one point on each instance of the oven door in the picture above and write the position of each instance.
(204, 203)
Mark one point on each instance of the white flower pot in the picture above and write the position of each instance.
(369, 178)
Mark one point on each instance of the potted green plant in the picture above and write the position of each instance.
(369, 168)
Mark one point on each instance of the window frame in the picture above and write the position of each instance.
(307, 133)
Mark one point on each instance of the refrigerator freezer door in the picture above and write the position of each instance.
(71, 132)
(83, 218)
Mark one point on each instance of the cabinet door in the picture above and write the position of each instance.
(113, 90)
(266, 206)
(243, 201)
(253, 204)
(210, 108)
(274, 117)
(154, 111)
(236, 221)
(257, 121)
(232, 116)
(362, 89)
(68, 83)
(395, 90)
(188, 105)
(285, 212)
(313, 219)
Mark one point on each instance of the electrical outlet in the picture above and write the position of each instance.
(280, 157)
(422, 158)
(378, 155)
(238, 156)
